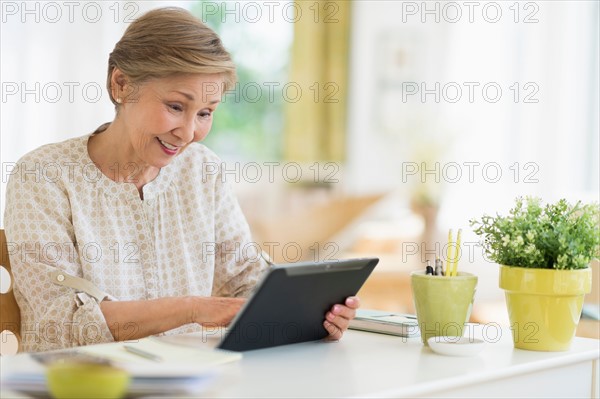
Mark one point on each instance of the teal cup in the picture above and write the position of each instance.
(443, 304)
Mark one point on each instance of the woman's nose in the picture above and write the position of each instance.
(186, 131)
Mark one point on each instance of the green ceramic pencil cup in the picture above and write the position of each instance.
(443, 304)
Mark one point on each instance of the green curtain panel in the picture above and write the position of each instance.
(315, 125)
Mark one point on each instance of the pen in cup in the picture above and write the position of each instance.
(142, 353)
(428, 269)
(439, 271)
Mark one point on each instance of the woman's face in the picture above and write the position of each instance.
(163, 116)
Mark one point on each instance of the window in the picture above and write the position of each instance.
(249, 122)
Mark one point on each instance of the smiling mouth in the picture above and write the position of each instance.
(167, 145)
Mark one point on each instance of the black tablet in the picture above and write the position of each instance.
(290, 303)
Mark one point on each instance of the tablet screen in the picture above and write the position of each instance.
(290, 303)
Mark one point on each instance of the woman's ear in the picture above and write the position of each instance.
(118, 83)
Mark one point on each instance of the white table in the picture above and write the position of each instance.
(372, 365)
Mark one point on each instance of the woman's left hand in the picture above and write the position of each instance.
(339, 316)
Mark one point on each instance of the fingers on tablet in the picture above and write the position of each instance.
(334, 331)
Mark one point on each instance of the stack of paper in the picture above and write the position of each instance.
(173, 369)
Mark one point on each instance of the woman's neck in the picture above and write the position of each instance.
(112, 152)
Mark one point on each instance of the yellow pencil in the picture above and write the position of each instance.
(449, 257)
(456, 252)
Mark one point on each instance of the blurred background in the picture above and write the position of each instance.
(357, 128)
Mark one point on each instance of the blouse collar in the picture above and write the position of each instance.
(121, 190)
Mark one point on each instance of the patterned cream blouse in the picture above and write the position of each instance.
(187, 237)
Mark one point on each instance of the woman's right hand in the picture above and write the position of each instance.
(138, 319)
(215, 311)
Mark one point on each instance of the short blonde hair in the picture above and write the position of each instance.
(166, 42)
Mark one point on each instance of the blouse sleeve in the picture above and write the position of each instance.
(38, 225)
(238, 261)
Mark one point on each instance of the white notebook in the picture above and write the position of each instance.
(173, 369)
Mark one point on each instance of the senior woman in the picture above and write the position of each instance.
(123, 236)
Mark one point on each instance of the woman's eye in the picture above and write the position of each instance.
(205, 114)
(175, 107)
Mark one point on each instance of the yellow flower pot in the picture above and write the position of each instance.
(544, 305)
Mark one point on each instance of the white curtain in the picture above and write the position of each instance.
(544, 143)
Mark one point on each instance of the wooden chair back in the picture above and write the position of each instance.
(10, 315)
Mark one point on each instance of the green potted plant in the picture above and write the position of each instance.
(544, 253)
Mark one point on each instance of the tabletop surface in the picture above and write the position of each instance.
(365, 364)
(369, 364)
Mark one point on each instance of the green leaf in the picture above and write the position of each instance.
(552, 236)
